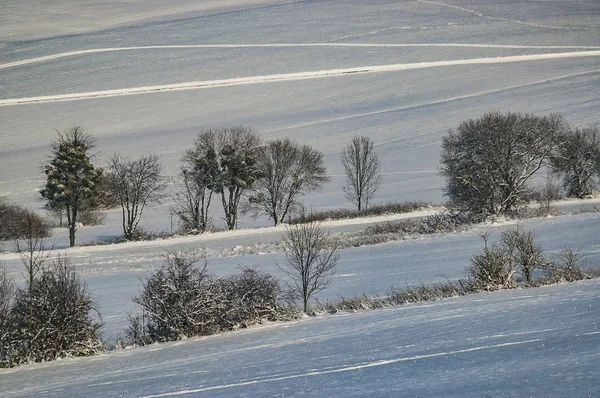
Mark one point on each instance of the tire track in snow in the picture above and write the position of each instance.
(278, 45)
(342, 369)
(437, 102)
(289, 77)
(504, 19)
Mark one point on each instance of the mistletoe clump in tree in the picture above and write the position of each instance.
(224, 162)
(72, 179)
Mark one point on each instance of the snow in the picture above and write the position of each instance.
(114, 273)
(290, 77)
(402, 73)
(540, 342)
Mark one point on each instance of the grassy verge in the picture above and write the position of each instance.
(342, 214)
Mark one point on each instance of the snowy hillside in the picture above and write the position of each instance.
(540, 342)
(147, 76)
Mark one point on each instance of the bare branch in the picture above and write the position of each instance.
(362, 169)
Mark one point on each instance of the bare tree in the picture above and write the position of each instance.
(33, 251)
(311, 259)
(227, 159)
(362, 168)
(578, 160)
(488, 161)
(135, 184)
(288, 170)
(32, 246)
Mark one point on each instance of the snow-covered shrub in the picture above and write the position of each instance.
(16, 222)
(255, 296)
(183, 300)
(356, 303)
(7, 327)
(567, 267)
(492, 269)
(54, 317)
(515, 252)
(135, 333)
(399, 296)
(528, 255)
(397, 230)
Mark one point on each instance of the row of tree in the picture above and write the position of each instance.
(232, 164)
(489, 162)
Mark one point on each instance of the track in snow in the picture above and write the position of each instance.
(436, 102)
(505, 19)
(290, 77)
(276, 45)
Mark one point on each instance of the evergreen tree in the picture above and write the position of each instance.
(72, 179)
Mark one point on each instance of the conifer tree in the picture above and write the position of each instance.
(72, 179)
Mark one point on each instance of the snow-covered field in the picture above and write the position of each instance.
(146, 76)
(519, 343)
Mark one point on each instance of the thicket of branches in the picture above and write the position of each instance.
(311, 258)
(489, 161)
(134, 184)
(516, 259)
(52, 317)
(16, 222)
(362, 168)
(577, 160)
(288, 170)
(183, 300)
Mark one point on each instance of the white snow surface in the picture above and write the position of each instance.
(402, 73)
(533, 342)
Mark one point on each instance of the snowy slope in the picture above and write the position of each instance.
(113, 273)
(538, 342)
(431, 65)
(419, 69)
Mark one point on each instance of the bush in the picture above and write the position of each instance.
(578, 160)
(567, 267)
(397, 230)
(429, 293)
(493, 269)
(7, 328)
(496, 267)
(254, 297)
(53, 318)
(183, 300)
(16, 222)
(436, 223)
